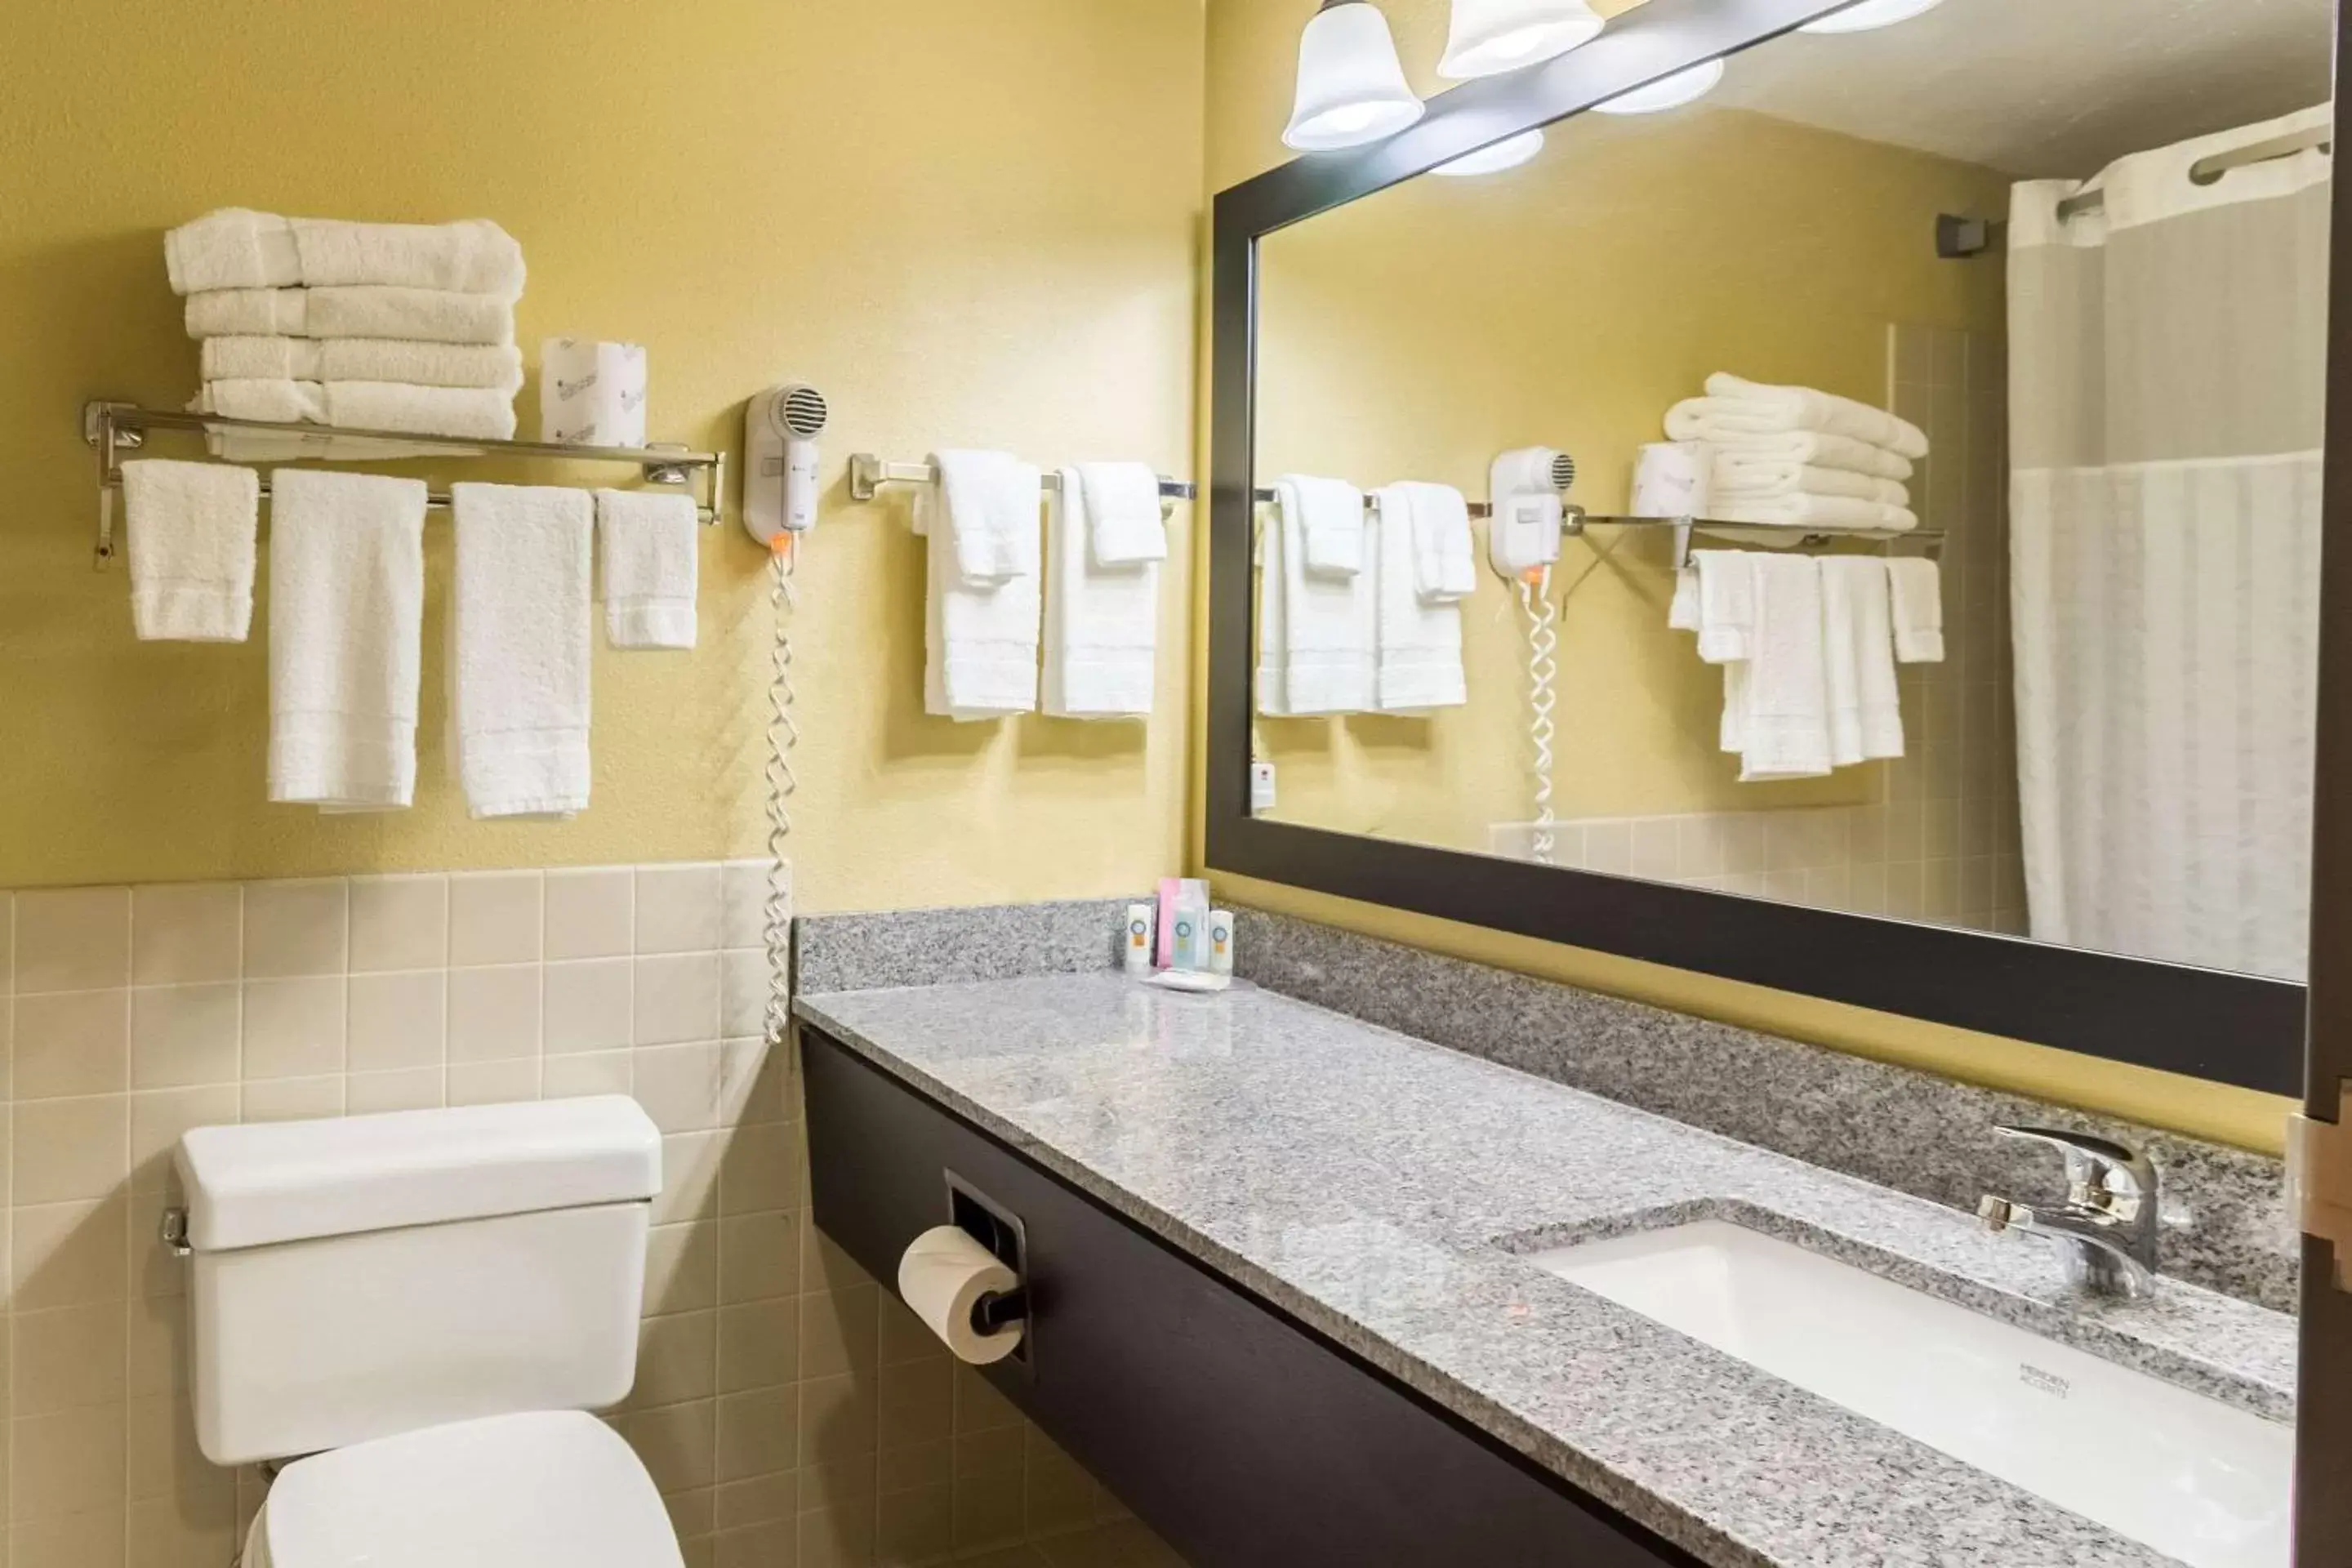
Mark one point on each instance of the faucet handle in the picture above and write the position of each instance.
(2094, 1164)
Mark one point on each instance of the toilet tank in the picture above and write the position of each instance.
(368, 1276)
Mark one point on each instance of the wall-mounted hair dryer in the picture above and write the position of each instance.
(779, 457)
(1524, 487)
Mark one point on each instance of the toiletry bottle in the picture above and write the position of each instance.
(1137, 945)
(1187, 937)
(1221, 942)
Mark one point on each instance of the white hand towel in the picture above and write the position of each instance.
(1445, 570)
(1726, 608)
(1328, 624)
(1773, 482)
(650, 547)
(497, 367)
(478, 413)
(421, 315)
(988, 503)
(1682, 613)
(1733, 406)
(1418, 639)
(1842, 515)
(1865, 717)
(346, 609)
(1777, 700)
(1101, 622)
(1123, 518)
(1813, 448)
(1917, 585)
(237, 248)
(190, 528)
(519, 649)
(1330, 540)
(980, 634)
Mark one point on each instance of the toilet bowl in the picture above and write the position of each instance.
(415, 1314)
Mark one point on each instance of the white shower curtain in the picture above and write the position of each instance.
(2168, 361)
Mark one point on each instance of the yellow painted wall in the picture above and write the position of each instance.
(1568, 303)
(1251, 49)
(972, 224)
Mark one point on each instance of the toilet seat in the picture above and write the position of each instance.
(551, 1489)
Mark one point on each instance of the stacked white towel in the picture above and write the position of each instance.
(1795, 458)
(401, 327)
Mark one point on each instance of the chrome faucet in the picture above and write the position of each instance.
(2106, 1229)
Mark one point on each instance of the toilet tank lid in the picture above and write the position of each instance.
(287, 1181)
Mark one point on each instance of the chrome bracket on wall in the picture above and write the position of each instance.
(2319, 1181)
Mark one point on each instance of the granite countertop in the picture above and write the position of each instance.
(1379, 1189)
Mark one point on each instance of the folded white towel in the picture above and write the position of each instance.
(1418, 638)
(238, 248)
(1842, 515)
(1331, 529)
(478, 413)
(1723, 611)
(650, 545)
(1917, 585)
(1776, 700)
(1326, 645)
(1122, 510)
(987, 504)
(980, 640)
(1733, 406)
(346, 609)
(519, 649)
(1865, 715)
(1773, 482)
(496, 366)
(421, 315)
(1102, 622)
(1735, 454)
(1445, 569)
(190, 528)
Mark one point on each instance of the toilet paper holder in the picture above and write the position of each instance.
(1000, 1230)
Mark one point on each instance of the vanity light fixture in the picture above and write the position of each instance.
(1490, 36)
(1352, 86)
(1871, 14)
(1667, 92)
(1507, 153)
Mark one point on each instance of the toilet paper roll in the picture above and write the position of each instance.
(591, 394)
(942, 1276)
(1674, 478)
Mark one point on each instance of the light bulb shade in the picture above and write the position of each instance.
(1351, 87)
(1667, 92)
(1870, 14)
(1507, 153)
(1490, 36)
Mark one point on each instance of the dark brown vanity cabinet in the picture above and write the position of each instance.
(1243, 1437)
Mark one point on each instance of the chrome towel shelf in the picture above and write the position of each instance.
(113, 429)
(868, 474)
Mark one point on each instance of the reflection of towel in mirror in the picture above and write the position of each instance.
(1865, 716)
(1842, 515)
(1735, 407)
(1316, 633)
(1743, 460)
(1916, 585)
(1331, 525)
(1772, 481)
(1776, 700)
(1419, 633)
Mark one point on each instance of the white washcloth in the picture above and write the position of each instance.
(519, 649)
(346, 612)
(1330, 540)
(190, 528)
(1721, 607)
(421, 315)
(478, 413)
(1734, 407)
(1775, 707)
(1123, 518)
(1734, 456)
(1917, 585)
(1776, 480)
(981, 635)
(496, 366)
(1842, 515)
(650, 547)
(1323, 638)
(1419, 639)
(988, 502)
(1445, 570)
(1102, 623)
(1865, 715)
(238, 248)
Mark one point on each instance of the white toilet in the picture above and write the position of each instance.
(427, 1304)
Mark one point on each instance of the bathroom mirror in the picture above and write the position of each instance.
(2055, 785)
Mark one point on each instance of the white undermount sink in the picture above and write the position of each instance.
(2194, 1478)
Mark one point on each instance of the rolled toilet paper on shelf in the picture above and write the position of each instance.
(1674, 478)
(942, 1276)
(591, 394)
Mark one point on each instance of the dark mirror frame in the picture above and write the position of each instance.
(2234, 1028)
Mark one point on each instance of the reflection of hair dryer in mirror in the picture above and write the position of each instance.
(1524, 489)
(780, 457)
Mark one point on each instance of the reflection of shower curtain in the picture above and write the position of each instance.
(2168, 376)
